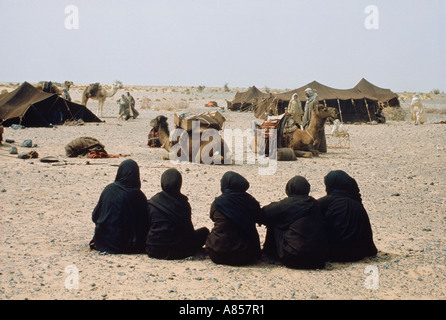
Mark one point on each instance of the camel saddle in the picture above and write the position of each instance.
(47, 87)
(93, 90)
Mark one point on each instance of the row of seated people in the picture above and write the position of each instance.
(301, 232)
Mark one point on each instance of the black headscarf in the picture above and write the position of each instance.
(121, 213)
(171, 201)
(128, 175)
(338, 182)
(297, 204)
(237, 205)
(297, 186)
(348, 225)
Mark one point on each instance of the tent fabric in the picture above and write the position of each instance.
(31, 107)
(358, 104)
(244, 101)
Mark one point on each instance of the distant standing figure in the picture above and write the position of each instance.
(295, 110)
(66, 94)
(124, 108)
(234, 239)
(120, 215)
(417, 110)
(172, 234)
(310, 104)
(348, 226)
(132, 103)
(296, 233)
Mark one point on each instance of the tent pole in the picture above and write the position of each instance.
(368, 111)
(68, 108)
(340, 111)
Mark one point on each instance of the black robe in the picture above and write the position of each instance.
(295, 228)
(234, 239)
(120, 215)
(172, 234)
(348, 225)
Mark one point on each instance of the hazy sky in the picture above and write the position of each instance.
(274, 43)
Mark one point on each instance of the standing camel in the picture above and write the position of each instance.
(207, 148)
(98, 92)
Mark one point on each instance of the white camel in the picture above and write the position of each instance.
(98, 92)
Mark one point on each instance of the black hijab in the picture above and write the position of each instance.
(128, 175)
(348, 225)
(170, 201)
(297, 186)
(296, 205)
(237, 205)
(338, 182)
(121, 213)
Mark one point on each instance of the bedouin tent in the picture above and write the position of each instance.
(31, 107)
(358, 104)
(245, 101)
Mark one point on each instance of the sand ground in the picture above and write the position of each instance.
(45, 221)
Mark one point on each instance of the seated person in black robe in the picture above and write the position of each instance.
(172, 234)
(348, 225)
(121, 216)
(295, 228)
(234, 239)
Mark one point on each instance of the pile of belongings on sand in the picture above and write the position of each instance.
(88, 147)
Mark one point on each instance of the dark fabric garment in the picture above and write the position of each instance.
(172, 234)
(338, 182)
(234, 239)
(120, 216)
(348, 226)
(296, 232)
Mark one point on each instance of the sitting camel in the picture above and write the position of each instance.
(49, 87)
(215, 151)
(304, 142)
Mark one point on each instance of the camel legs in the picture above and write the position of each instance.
(100, 108)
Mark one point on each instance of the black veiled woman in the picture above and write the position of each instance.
(295, 228)
(348, 225)
(121, 213)
(172, 234)
(234, 239)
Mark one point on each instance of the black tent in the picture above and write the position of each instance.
(358, 104)
(31, 107)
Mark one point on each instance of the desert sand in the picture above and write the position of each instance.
(45, 221)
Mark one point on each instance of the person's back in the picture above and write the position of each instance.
(120, 216)
(295, 228)
(172, 234)
(234, 239)
(348, 226)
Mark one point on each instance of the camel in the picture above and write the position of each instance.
(304, 142)
(301, 141)
(220, 156)
(98, 92)
(52, 88)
